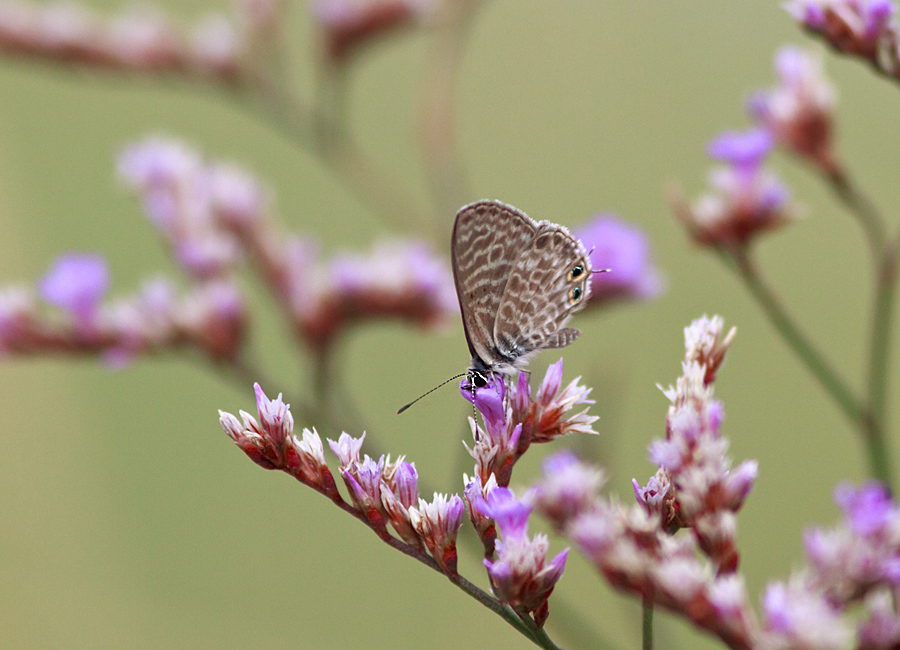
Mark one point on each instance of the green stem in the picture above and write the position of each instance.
(874, 427)
(647, 623)
(793, 336)
(856, 201)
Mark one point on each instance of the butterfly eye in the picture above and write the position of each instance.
(576, 272)
(479, 380)
(575, 295)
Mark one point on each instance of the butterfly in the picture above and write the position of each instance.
(518, 282)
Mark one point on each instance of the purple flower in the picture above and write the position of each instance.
(347, 448)
(510, 514)
(624, 250)
(438, 525)
(743, 150)
(868, 509)
(76, 283)
(489, 400)
(568, 487)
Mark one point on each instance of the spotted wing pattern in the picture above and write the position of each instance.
(549, 280)
(488, 237)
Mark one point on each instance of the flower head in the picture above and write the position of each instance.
(520, 575)
(799, 110)
(438, 524)
(745, 201)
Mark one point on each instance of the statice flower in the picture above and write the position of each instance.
(624, 250)
(746, 199)
(402, 280)
(270, 442)
(438, 523)
(520, 574)
(696, 486)
(179, 195)
(799, 110)
(513, 419)
(860, 27)
(140, 40)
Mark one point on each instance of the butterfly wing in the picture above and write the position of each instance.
(487, 239)
(549, 280)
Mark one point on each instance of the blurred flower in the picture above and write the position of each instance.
(77, 283)
(183, 198)
(216, 46)
(799, 111)
(402, 280)
(861, 27)
(568, 488)
(746, 200)
(520, 575)
(802, 618)
(623, 249)
(348, 25)
(140, 40)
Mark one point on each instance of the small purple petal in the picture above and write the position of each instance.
(510, 514)
(743, 150)
(868, 508)
(406, 480)
(76, 283)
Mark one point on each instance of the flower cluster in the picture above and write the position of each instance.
(520, 574)
(863, 28)
(799, 111)
(215, 215)
(382, 491)
(748, 200)
(635, 547)
(695, 486)
(513, 419)
(140, 40)
(210, 316)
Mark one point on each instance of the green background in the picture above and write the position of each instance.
(129, 520)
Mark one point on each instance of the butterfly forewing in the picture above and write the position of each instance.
(548, 281)
(487, 240)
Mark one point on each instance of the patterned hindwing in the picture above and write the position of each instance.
(549, 281)
(488, 237)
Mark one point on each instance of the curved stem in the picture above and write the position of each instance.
(793, 336)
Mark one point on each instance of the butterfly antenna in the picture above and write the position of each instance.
(601, 270)
(443, 383)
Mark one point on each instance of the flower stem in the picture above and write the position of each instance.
(647, 623)
(874, 425)
(865, 211)
(738, 259)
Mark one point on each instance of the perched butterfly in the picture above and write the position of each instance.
(518, 282)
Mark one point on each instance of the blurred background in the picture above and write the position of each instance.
(127, 517)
